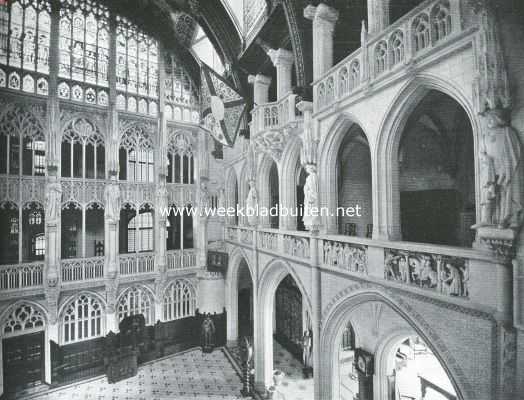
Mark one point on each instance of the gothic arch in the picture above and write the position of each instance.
(8, 315)
(238, 255)
(385, 153)
(273, 273)
(327, 161)
(96, 120)
(69, 299)
(143, 303)
(263, 186)
(337, 313)
(287, 184)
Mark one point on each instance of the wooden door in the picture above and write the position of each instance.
(23, 361)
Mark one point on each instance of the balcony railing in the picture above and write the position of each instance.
(181, 259)
(425, 27)
(20, 276)
(276, 115)
(136, 264)
(452, 272)
(82, 269)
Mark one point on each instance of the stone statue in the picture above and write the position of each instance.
(252, 204)
(311, 211)
(208, 334)
(203, 195)
(488, 189)
(53, 201)
(503, 149)
(222, 198)
(112, 202)
(307, 346)
(161, 198)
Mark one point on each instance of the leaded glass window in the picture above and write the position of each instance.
(137, 60)
(84, 41)
(179, 91)
(82, 319)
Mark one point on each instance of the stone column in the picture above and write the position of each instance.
(324, 19)
(283, 60)
(112, 218)
(160, 224)
(52, 227)
(316, 307)
(378, 16)
(260, 88)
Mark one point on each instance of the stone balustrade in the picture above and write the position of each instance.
(136, 263)
(427, 26)
(21, 276)
(461, 273)
(275, 115)
(181, 259)
(82, 269)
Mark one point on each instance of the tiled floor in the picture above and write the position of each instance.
(192, 375)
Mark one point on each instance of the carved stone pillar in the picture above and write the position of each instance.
(203, 202)
(316, 307)
(283, 60)
(53, 109)
(324, 19)
(161, 209)
(378, 16)
(53, 207)
(112, 218)
(260, 88)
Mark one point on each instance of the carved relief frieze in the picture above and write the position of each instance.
(444, 274)
(346, 256)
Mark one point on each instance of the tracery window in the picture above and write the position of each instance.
(181, 164)
(133, 301)
(24, 317)
(136, 66)
(179, 300)
(181, 102)
(140, 232)
(441, 20)
(25, 27)
(136, 155)
(35, 218)
(396, 45)
(38, 245)
(381, 57)
(421, 32)
(83, 153)
(82, 319)
(22, 143)
(84, 41)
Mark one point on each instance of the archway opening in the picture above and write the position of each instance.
(274, 198)
(72, 227)
(245, 301)
(354, 185)
(414, 372)
(33, 236)
(349, 383)
(437, 174)
(292, 345)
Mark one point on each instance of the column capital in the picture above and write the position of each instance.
(305, 106)
(321, 14)
(281, 57)
(259, 79)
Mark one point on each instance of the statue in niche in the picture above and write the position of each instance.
(311, 198)
(112, 201)
(203, 195)
(161, 196)
(53, 201)
(252, 204)
(488, 191)
(208, 334)
(307, 347)
(503, 149)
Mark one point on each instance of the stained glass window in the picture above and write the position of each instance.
(137, 60)
(25, 27)
(84, 41)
